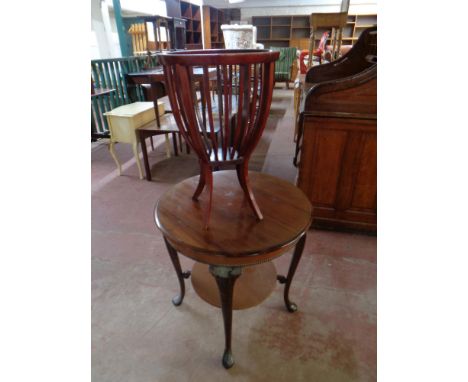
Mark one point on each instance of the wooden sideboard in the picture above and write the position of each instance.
(337, 139)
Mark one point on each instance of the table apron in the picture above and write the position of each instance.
(203, 257)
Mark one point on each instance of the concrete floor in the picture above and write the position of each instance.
(139, 336)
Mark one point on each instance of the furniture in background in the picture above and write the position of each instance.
(321, 47)
(213, 18)
(173, 8)
(178, 30)
(304, 54)
(351, 31)
(337, 139)
(303, 61)
(123, 122)
(192, 14)
(167, 126)
(278, 31)
(237, 250)
(286, 65)
(153, 77)
(152, 34)
(239, 36)
(295, 30)
(239, 112)
(97, 110)
(231, 15)
(297, 100)
(137, 32)
(355, 25)
(334, 21)
(111, 74)
(182, 26)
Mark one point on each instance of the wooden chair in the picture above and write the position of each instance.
(321, 47)
(334, 21)
(304, 55)
(167, 126)
(244, 87)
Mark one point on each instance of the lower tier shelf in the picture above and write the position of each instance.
(253, 286)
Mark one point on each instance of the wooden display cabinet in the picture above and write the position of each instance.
(193, 33)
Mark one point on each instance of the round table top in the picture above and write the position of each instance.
(234, 237)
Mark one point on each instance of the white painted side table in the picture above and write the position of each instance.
(124, 120)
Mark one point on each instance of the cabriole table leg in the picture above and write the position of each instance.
(177, 300)
(225, 278)
(291, 306)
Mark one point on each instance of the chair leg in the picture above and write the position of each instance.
(179, 139)
(168, 145)
(137, 158)
(114, 156)
(187, 146)
(144, 151)
(152, 144)
(243, 176)
(287, 84)
(174, 142)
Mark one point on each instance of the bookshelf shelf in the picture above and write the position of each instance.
(295, 30)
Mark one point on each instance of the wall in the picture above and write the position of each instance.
(100, 47)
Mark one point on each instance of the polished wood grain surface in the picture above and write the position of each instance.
(338, 139)
(235, 236)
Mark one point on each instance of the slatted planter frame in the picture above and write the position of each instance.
(223, 133)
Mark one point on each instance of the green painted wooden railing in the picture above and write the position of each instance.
(110, 73)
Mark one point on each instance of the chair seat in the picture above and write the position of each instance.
(168, 125)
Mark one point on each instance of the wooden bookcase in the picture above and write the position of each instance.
(355, 25)
(193, 33)
(213, 18)
(231, 15)
(295, 30)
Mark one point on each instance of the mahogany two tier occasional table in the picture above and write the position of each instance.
(237, 246)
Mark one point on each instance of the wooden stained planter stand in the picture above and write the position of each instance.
(226, 129)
